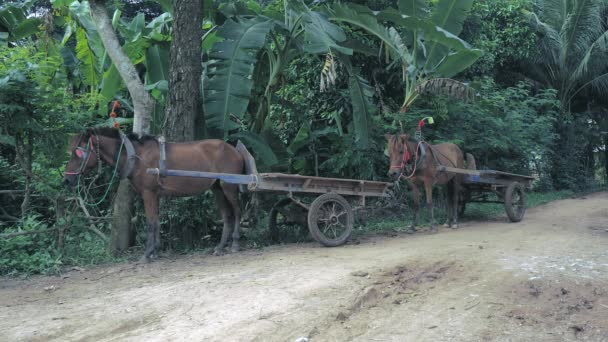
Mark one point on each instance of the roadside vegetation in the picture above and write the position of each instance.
(310, 87)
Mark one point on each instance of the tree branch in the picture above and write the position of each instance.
(10, 235)
(142, 102)
(91, 226)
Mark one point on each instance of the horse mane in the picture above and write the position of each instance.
(114, 133)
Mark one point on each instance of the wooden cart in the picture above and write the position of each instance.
(330, 217)
(508, 187)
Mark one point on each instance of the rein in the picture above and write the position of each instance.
(84, 153)
(406, 157)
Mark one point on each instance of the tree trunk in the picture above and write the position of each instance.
(183, 103)
(123, 238)
(142, 107)
(183, 110)
(23, 148)
(142, 102)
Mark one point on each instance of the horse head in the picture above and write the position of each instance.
(84, 156)
(401, 152)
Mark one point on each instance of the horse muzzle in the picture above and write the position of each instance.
(394, 174)
(69, 181)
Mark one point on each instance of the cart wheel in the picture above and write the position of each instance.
(281, 215)
(330, 220)
(515, 202)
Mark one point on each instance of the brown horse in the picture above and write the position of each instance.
(134, 155)
(419, 162)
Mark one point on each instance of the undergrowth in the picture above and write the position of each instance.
(38, 254)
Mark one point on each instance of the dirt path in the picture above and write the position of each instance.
(544, 279)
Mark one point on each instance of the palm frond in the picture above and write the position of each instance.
(594, 57)
(580, 28)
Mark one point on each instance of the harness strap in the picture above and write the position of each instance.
(162, 165)
(127, 169)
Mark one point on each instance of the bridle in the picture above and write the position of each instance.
(84, 153)
(406, 158)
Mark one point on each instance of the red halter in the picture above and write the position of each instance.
(406, 157)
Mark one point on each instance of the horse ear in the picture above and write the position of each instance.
(388, 136)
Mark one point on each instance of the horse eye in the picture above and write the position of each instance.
(400, 151)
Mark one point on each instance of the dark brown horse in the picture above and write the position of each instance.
(419, 163)
(134, 155)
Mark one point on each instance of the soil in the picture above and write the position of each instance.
(543, 279)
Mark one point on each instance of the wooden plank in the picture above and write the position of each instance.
(483, 172)
(226, 177)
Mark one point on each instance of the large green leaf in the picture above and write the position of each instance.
(301, 139)
(26, 28)
(361, 96)
(449, 15)
(88, 60)
(111, 84)
(366, 21)
(14, 24)
(82, 13)
(430, 31)
(413, 8)
(157, 63)
(320, 35)
(456, 62)
(227, 83)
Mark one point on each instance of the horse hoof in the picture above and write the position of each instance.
(454, 226)
(144, 260)
(434, 229)
(447, 225)
(234, 249)
(218, 252)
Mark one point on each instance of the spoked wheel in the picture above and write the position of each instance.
(515, 202)
(285, 214)
(330, 220)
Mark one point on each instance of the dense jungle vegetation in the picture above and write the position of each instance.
(310, 87)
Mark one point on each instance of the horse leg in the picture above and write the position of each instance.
(428, 188)
(224, 208)
(456, 200)
(151, 209)
(450, 207)
(231, 193)
(416, 212)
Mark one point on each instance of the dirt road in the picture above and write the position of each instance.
(544, 279)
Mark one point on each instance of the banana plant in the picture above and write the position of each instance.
(146, 44)
(257, 45)
(430, 47)
(14, 23)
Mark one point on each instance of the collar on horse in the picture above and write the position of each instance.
(127, 168)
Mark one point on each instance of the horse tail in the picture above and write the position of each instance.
(471, 165)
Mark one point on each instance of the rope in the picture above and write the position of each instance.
(103, 198)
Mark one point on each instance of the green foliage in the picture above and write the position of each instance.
(572, 44)
(505, 129)
(14, 23)
(503, 31)
(227, 85)
(29, 253)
